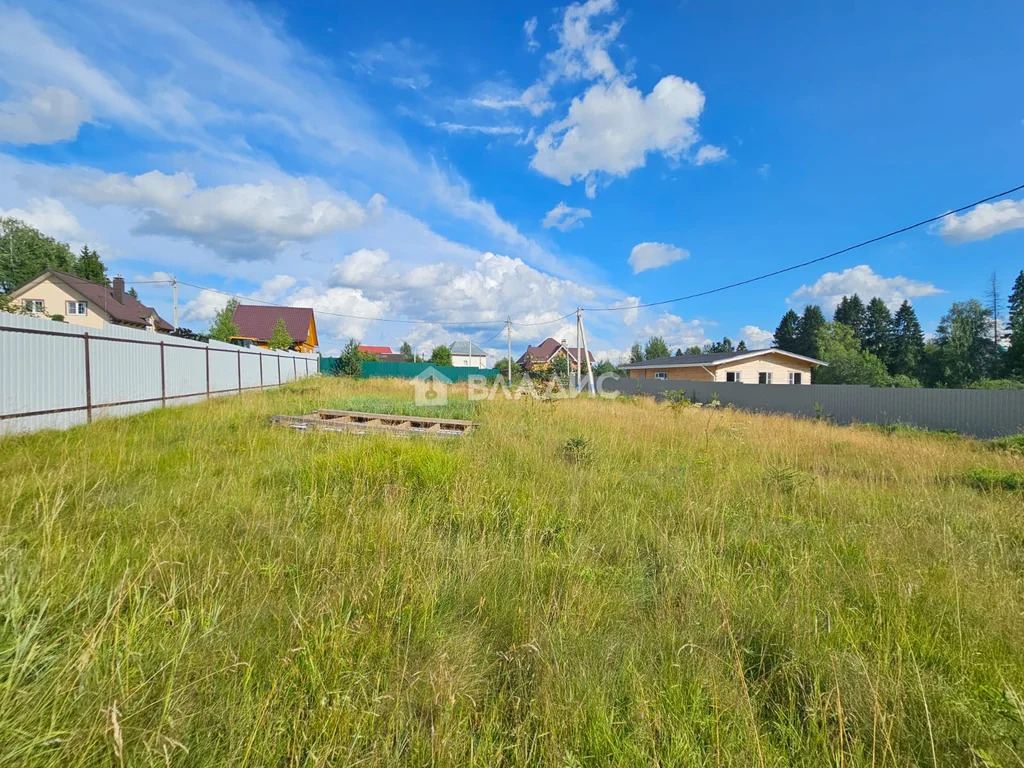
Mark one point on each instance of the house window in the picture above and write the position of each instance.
(796, 378)
(35, 305)
(78, 307)
(733, 376)
(764, 377)
(661, 375)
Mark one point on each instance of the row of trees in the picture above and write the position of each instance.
(656, 347)
(25, 252)
(868, 344)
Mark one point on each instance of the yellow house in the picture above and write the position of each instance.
(82, 302)
(256, 323)
(758, 366)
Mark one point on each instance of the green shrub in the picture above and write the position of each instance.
(1013, 444)
(989, 479)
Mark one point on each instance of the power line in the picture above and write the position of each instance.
(840, 252)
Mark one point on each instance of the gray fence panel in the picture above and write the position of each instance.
(44, 381)
(976, 412)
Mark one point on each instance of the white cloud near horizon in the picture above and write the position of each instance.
(756, 338)
(983, 221)
(830, 288)
(646, 256)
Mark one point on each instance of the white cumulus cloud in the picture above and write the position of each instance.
(646, 256)
(529, 29)
(756, 338)
(613, 127)
(565, 217)
(48, 215)
(984, 221)
(242, 221)
(830, 288)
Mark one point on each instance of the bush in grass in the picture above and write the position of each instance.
(1013, 444)
(989, 479)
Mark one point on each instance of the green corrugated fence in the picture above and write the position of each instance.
(329, 366)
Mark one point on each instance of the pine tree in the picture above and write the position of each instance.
(679, 352)
(907, 348)
(636, 354)
(89, 266)
(851, 312)
(133, 293)
(279, 337)
(786, 333)
(812, 322)
(223, 326)
(725, 345)
(878, 331)
(655, 348)
(742, 346)
(406, 351)
(1014, 361)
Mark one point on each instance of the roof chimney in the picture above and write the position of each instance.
(119, 289)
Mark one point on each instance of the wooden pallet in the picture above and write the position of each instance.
(359, 422)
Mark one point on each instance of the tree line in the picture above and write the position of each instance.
(868, 344)
(656, 348)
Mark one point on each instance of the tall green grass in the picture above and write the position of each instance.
(583, 583)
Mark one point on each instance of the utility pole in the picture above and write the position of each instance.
(590, 367)
(174, 287)
(508, 360)
(579, 365)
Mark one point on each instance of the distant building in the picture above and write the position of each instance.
(384, 354)
(466, 354)
(82, 302)
(755, 366)
(255, 323)
(540, 357)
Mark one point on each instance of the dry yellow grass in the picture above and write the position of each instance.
(683, 587)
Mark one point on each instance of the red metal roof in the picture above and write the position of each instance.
(258, 321)
(375, 350)
(546, 350)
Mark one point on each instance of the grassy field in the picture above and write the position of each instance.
(585, 583)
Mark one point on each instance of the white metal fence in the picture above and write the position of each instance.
(55, 375)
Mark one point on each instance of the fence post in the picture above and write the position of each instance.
(239, 371)
(207, 372)
(88, 381)
(163, 379)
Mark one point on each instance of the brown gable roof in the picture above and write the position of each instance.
(547, 348)
(129, 310)
(258, 321)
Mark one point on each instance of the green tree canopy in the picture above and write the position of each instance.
(1014, 363)
(851, 313)
(505, 363)
(25, 252)
(878, 331)
(223, 326)
(907, 345)
(655, 348)
(848, 363)
(811, 323)
(279, 337)
(742, 346)
(605, 366)
(441, 355)
(786, 332)
(694, 350)
(966, 353)
(406, 352)
(636, 353)
(89, 266)
(725, 345)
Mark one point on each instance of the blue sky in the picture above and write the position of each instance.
(461, 164)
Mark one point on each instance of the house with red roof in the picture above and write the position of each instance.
(255, 323)
(384, 354)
